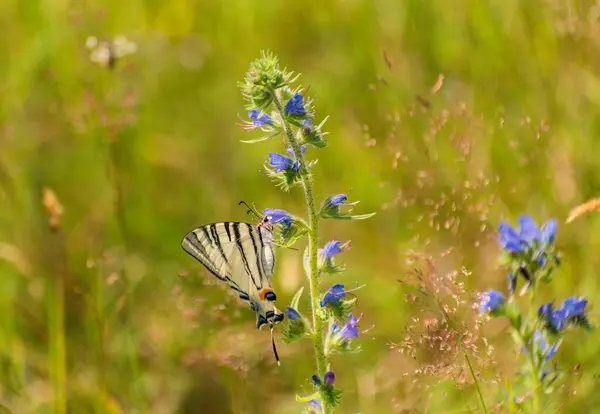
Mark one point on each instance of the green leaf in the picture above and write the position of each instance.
(296, 299)
(306, 262)
(344, 217)
(261, 139)
(314, 395)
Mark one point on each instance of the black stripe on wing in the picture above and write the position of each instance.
(192, 244)
(251, 230)
(240, 246)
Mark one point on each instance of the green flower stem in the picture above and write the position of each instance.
(313, 238)
(537, 385)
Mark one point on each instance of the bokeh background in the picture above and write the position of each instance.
(445, 118)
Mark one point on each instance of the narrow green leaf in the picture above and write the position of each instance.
(312, 396)
(296, 298)
(357, 217)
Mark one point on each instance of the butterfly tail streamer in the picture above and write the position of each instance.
(275, 348)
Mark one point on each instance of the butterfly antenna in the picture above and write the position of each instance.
(250, 209)
(274, 348)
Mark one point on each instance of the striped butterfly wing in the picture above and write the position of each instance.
(243, 256)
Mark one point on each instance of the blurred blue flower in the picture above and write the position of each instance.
(306, 122)
(329, 378)
(526, 235)
(292, 313)
(574, 306)
(282, 162)
(490, 301)
(295, 105)
(542, 344)
(290, 150)
(278, 216)
(571, 309)
(333, 295)
(332, 248)
(258, 121)
(350, 329)
(315, 403)
(316, 380)
(549, 231)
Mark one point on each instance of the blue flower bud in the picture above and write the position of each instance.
(329, 377)
(292, 313)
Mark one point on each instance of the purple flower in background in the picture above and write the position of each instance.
(295, 105)
(490, 301)
(278, 216)
(329, 378)
(333, 295)
(258, 121)
(292, 313)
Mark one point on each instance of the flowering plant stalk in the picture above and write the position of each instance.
(531, 255)
(279, 110)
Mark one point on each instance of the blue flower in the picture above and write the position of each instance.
(571, 309)
(278, 216)
(490, 301)
(574, 306)
(542, 344)
(329, 378)
(526, 235)
(292, 313)
(315, 403)
(549, 231)
(509, 237)
(295, 105)
(332, 248)
(350, 329)
(306, 122)
(258, 121)
(316, 380)
(338, 200)
(333, 295)
(290, 150)
(281, 162)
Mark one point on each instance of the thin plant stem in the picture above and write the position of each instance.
(452, 324)
(313, 238)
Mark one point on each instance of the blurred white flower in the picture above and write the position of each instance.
(107, 52)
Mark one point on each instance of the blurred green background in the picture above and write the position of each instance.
(445, 118)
